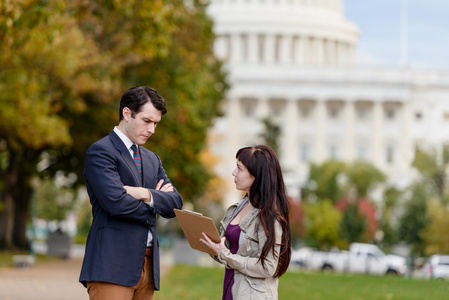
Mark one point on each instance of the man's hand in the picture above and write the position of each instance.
(144, 194)
(164, 188)
(138, 192)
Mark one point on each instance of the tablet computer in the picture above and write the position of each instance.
(193, 224)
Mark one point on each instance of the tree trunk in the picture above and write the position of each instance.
(21, 214)
(15, 199)
(8, 194)
(6, 219)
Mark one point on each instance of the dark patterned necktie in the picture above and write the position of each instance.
(137, 159)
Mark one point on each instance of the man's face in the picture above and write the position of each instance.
(143, 125)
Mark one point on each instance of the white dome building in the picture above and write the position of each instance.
(294, 62)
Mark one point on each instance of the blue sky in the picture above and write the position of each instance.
(379, 22)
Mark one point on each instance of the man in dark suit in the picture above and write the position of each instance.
(127, 187)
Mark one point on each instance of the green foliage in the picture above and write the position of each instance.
(191, 81)
(432, 164)
(414, 218)
(427, 208)
(84, 222)
(335, 179)
(434, 234)
(323, 182)
(359, 223)
(297, 220)
(363, 176)
(387, 225)
(322, 221)
(347, 187)
(65, 65)
(53, 201)
(352, 225)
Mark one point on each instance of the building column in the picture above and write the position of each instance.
(331, 53)
(253, 48)
(349, 145)
(310, 56)
(378, 153)
(300, 50)
(220, 47)
(270, 43)
(320, 133)
(406, 145)
(236, 51)
(352, 55)
(285, 49)
(234, 113)
(290, 133)
(344, 54)
(320, 51)
(233, 137)
(262, 109)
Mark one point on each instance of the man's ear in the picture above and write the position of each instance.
(126, 112)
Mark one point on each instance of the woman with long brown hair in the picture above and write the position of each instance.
(256, 241)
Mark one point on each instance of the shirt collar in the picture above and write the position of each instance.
(128, 143)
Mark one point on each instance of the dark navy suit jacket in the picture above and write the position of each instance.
(116, 244)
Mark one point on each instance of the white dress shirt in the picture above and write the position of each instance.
(128, 143)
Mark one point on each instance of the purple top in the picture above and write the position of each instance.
(232, 235)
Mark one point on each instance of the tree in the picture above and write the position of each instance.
(347, 187)
(433, 165)
(325, 181)
(210, 202)
(414, 219)
(64, 67)
(353, 223)
(363, 177)
(434, 234)
(387, 224)
(322, 221)
(53, 200)
(45, 62)
(297, 219)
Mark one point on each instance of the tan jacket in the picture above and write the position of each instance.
(251, 279)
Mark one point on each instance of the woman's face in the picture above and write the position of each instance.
(242, 178)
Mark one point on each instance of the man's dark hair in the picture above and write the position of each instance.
(137, 96)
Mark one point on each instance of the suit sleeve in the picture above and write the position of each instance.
(104, 181)
(165, 202)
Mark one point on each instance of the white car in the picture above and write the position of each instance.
(436, 267)
(361, 258)
(301, 256)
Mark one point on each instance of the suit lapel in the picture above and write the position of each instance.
(146, 165)
(121, 148)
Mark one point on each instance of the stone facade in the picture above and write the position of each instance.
(294, 62)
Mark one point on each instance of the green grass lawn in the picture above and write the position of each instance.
(188, 282)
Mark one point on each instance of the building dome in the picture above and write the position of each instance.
(293, 62)
(303, 32)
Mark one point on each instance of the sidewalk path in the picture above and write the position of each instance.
(56, 280)
(44, 281)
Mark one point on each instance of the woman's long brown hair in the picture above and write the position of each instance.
(268, 194)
